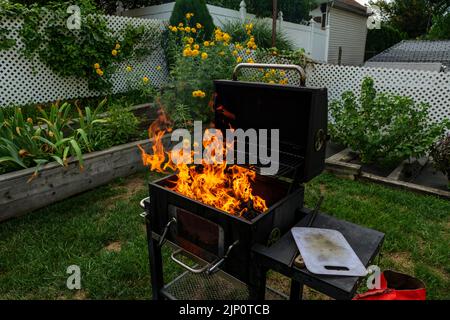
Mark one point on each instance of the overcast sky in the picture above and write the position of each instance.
(363, 1)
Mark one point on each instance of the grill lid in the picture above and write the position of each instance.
(299, 113)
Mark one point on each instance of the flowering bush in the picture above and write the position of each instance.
(92, 52)
(197, 63)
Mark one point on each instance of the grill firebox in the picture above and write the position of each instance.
(208, 232)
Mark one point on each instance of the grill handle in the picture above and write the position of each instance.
(215, 265)
(174, 259)
(162, 239)
(293, 67)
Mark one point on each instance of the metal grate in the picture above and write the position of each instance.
(219, 286)
(288, 162)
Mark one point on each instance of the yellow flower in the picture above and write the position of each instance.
(196, 46)
(99, 72)
(239, 47)
(145, 79)
(117, 46)
(198, 25)
(204, 56)
(250, 60)
(181, 24)
(181, 28)
(97, 66)
(158, 68)
(129, 68)
(235, 53)
(189, 15)
(29, 120)
(187, 52)
(226, 37)
(206, 43)
(193, 30)
(198, 94)
(254, 47)
(187, 29)
(190, 40)
(248, 51)
(114, 52)
(173, 29)
(195, 53)
(239, 59)
(212, 44)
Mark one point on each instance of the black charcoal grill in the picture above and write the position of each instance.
(223, 241)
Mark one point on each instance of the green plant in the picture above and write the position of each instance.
(440, 152)
(200, 14)
(92, 53)
(262, 31)
(383, 128)
(24, 145)
(441, 27)
(118, 127)
(5, 42)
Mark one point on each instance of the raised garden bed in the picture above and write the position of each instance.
(19, 194)
(417, 176)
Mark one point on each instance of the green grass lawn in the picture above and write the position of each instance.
(101, 231)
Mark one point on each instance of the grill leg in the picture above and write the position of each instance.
(257, 285)
(296, 290)
(155, 262)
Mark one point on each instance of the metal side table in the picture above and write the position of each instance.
(280, 256)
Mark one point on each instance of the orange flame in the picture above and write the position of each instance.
(228, 188)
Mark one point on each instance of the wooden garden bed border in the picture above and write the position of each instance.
(54, 183)
(339, 165)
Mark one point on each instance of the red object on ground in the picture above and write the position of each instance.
(396, 286)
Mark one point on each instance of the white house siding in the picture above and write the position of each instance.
(349, 31)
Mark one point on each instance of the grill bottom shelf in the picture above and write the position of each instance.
(219, 286)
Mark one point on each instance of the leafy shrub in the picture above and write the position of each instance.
(24, 145)
(91, 53)
(197, 64)
(383, 128)
(120, 127)
(440, 153)
(200, 14)
(262, 31)
(56, 136)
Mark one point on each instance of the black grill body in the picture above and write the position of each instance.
(301, 116)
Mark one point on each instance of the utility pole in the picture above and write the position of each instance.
(274, 22)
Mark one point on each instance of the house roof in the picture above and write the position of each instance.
(351, 6)
(416, 51)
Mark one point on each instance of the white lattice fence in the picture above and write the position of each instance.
(23, 81)
(423, 86)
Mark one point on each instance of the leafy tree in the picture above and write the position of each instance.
(379, 40)
(413, 17)
(200, 11)
(441, 28)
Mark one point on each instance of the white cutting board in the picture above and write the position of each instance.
(327, 252)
